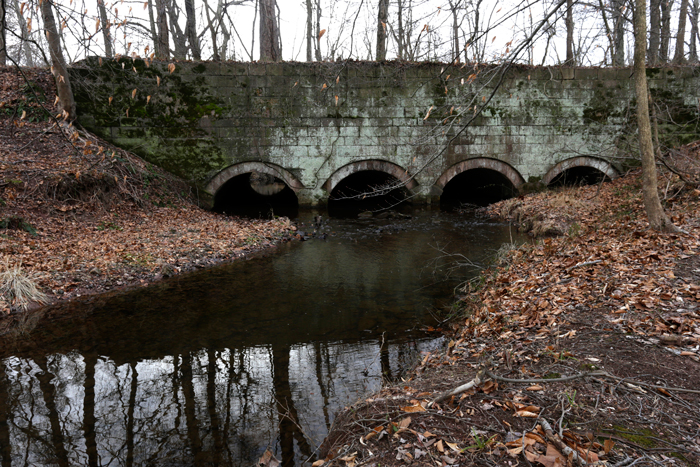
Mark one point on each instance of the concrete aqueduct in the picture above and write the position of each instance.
(312, 126)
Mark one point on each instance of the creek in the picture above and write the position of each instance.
(216, 366)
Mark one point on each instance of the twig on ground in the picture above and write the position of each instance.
(563, 448)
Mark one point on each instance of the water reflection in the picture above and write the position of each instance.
(210, 407)
(214, 367)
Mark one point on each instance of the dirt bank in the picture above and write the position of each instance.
(79, 216)
(593, 332)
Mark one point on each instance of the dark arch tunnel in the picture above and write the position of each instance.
(478, 187)
(256, 195)
(367, 191)
(577, 176)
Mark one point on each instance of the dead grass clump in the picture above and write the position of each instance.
(504, 253)
(18, 288)
(567, 200)
(508, 207)
(546, 228)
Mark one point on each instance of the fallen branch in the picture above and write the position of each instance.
(484, 372)
(587, 263)
(571, 454)
(478, 379)
(545, 380)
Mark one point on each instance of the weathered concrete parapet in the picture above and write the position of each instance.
(312, 124)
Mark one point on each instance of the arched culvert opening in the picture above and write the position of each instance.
(479, 187)
(257, 195)
(367, 190)
(577, 176)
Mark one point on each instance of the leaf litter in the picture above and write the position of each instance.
(579, 348)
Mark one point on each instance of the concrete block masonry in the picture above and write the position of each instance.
(312, 124)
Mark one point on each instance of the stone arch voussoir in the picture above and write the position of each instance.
(253, 166)
(390, 168)
(481, 163)
(581, 161)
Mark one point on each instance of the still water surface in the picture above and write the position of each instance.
(212, 368)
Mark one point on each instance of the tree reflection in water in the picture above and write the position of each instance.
(209, 407)
(212, 368)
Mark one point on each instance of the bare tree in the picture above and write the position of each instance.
(655, 212)
(3, 35)
(693, 14)
(318, 31)
(191, 29)
(179, 36)
(618, 7)
(163, 44)
(665, 30)
(382, 18)
(212, 31)
(25, 44)
(679, 56)
(456, 49)
(105, 23)
(309, 30)
(654, 31)
(570, 32)
(65, 92)
(269, 32)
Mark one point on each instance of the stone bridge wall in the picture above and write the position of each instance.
(313, 124)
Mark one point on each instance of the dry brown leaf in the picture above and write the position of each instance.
(608, 445)
(413, 408)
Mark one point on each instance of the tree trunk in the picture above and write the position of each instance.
(654, 32)
(400, 40)
(130, 416)
(225, 31)
(214, 418)
(195, 440)
(65, 92)
(619, 33)
(382, 18)
(25, 45)
(163, 44)
(192, 30)
(569, 32)
(179, 36)
(679, 56)
(106, 34)
(652, 204)
(694, 13)
(608, 31)
(212, 31)
(309, 30)
(269, 32)
(5, 414)
(456, 52)
(3, 35)
(665, 30)
(89, 409)
(319, 57)
(49, 393)
(152, 28)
